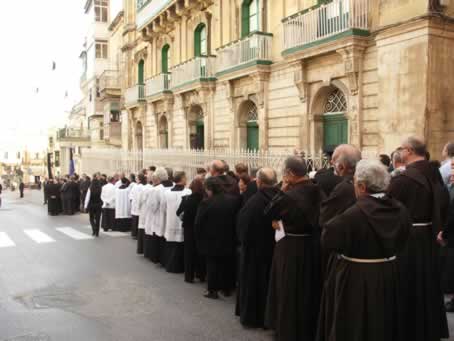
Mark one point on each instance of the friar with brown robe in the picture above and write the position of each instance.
(295, 283)
(362, 299)
(419, 188)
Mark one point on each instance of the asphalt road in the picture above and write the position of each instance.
(58, 284)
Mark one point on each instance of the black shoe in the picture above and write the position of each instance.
(212, 295)
(450, 306)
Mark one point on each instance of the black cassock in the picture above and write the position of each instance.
(361, 301)
(215, 238)
(53, 198)
(294, 290)
(420, 190)
(256, 235)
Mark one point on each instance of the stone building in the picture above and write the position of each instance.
(286, 74)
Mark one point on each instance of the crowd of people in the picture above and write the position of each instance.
(359, 251)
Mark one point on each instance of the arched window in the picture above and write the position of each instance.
(249, 17)
(200, 41)
(165, 58)
(140, 72)
(336, 103)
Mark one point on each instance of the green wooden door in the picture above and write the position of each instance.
(200, 131)
(140, 72)
(252, 135)
(165, 59)
(335, 130)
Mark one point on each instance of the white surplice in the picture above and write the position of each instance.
(159, 210)
(122, 203)
(143, 206)
(134, 197)
(174, 229)
(108, 196)
(150, 197)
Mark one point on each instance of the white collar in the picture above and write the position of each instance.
(378, 195)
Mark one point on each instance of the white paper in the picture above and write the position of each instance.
(279, 234)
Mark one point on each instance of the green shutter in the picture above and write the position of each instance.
(165, 59)
(140, 72)
(197, 42)
(245, 19)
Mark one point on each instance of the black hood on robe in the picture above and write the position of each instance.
(384, 217)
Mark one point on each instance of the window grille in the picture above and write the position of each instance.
(336, 102)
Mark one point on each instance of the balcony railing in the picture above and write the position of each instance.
(158, 84)
(135, 94)
(254, 48)
(325, 21)
(72, 133)
(199, 68)
(146, 10)
(109, 79)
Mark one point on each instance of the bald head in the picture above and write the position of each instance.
(345, 158)
(266, 177)
(413, 149)
(217, 168)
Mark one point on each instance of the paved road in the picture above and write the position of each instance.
(56, 283)
(59, 284)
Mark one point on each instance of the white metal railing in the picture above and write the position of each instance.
(109, 79)
(110, 161)
(157, 84)
(147, 10)
(327, 20)
(135, 94)
(195, 69)
(255, 47)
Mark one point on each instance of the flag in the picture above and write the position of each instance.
(71, 162)
(49, 165)
(54, 66)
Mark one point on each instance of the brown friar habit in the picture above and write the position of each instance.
(294, 289)
(363, 301)
(256, 235)
(420, 190)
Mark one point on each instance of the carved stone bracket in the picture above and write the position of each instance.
(229, 94)
(353, 57)
(142, 54)
(300, 80)
(261, 80)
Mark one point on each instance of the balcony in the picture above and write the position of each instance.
(337, 19)
(199, 69)
(72, 135)
(135, 95)
(112, 133)
(109, 83)
(250, 51)
(158, 84)
(147, 10)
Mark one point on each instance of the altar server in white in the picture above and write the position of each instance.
(143, 215)
(173, 233)
(123, 206)
(134, 197)
(108, 204)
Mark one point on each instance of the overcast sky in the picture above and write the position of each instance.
(34, 34)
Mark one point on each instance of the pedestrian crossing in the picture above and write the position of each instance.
(49, 236)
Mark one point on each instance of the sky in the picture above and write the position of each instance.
(34, 35)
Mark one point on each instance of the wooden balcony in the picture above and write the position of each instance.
(109, 84)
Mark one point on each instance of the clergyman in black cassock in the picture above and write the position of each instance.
(215, 236)
(362, 299)
(256, 235)
(421, 192)
(294, 289)
(67, 198)
(194, 263)
(53, 197)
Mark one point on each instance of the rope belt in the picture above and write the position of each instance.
(422, 224)
(369, 261)
(298, 235)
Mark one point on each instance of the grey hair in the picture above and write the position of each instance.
(267, 176)
(161, 174)
(373, 174)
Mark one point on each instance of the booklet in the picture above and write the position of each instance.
(279, 234)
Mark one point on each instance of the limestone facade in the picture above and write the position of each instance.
(303, 74)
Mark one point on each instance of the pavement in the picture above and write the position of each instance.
(57, 283)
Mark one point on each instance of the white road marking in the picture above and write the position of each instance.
(110, 233)
(38, 236)
(5, 240)
(70, 232)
